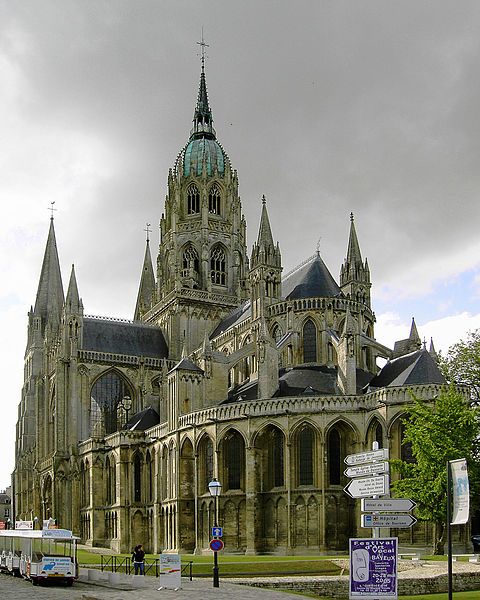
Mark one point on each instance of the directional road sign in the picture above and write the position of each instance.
(400, 521)
(368, 486)
(217, 531)
(387, 504)
(367, 469)
(366, 457)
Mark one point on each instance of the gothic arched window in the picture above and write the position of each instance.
(406, 453)
(334, 457)
(193, 200)
(105, 396)
(190, 262)
(218, 266)
(234, 456)
(309, 342)
(214, 200)
(137, 478)
(305, 446)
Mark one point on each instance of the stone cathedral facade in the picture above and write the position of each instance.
(229, 369)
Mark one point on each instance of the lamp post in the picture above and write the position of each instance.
(215, 487)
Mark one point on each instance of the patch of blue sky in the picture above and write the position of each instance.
(449, 297)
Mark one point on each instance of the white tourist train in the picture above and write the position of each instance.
(39, 555)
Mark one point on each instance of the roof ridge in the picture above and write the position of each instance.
(299, 266)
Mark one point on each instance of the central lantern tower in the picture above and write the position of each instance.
(202, 264)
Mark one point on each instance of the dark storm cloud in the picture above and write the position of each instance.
(326, 107)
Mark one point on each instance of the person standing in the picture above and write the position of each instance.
(138, 558)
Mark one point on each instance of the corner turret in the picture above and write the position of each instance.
(354, 274)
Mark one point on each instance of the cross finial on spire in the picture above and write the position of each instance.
(51, 209)
(351, 217)
(148, 230)
(203, 45)
(264, 200)
(318, 245)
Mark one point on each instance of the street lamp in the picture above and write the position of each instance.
(215, 487)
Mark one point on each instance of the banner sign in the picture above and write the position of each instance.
(373, 569)
(170, 571)
(461, 491)
(23, 524)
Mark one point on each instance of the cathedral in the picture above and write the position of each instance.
(229, 370)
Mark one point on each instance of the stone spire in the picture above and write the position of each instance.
(265, 251)
(146, 290)
(432, 351)
(414, 338)
(50, 296)
(354, 273)
(265, 267)
(202, 117)
(73, 304)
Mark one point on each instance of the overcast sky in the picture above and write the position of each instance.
(325, 107)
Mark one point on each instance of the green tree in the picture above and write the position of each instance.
(461, 364)
(446, 429)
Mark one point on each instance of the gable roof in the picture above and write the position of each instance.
(310, 280)
(143, 420)
(123, 337)
(236, 316)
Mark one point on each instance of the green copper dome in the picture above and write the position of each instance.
(199, 152)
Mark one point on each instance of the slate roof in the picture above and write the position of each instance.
(315, 380)
(310, 280)
(187, 365)
(119, 337)
(236, 316)
(143, 420)
(412, 369)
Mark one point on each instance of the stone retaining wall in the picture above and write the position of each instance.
(337, 587)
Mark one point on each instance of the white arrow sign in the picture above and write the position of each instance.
(400, 521)
(368, 469)
(368, 486)
(367, 457)
(387, 504)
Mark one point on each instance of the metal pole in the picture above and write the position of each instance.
(215, 553)
(449, 531)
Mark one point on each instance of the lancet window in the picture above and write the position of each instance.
(214, 200)
(309, 342)
(193, 200)
(305, 448)
(218, 266)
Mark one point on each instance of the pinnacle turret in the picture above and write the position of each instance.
(73, 304)
(146, 290)
(354, 273)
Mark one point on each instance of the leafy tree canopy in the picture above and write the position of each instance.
(446, 429)
(462, 363)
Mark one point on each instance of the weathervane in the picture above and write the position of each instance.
(51, 209)
(148, 230)
(318, 245)
(203, 45)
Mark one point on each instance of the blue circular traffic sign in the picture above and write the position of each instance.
(216, 545)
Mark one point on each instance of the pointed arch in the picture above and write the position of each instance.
(233, 453)
(305, 449)
(214, 200)
(193, 200)
(271, 444)
(206, 468)
(309, 339)
(340, 438)
(106, 393)
(218, 265)
(190, 263)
